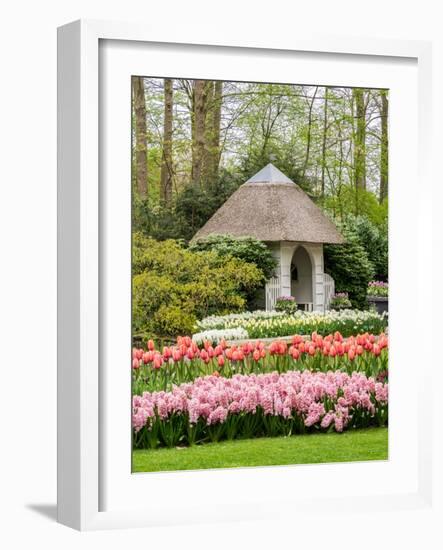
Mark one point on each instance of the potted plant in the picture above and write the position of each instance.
(339, 301)
(286, 304)
(378, 292)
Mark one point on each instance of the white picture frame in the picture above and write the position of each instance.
(83, 438)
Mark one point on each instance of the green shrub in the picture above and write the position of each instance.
(374, 240)
(350, 267)
(173, 286)
(172, 320)
(249, 249)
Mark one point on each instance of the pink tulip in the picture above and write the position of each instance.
(151, 345)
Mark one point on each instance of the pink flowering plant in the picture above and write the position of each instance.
(378, 289)
(287, 304)
(213, 408)
(340, 300)
(156, 370)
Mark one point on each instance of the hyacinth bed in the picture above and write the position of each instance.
(155, 370)
(264, 324)
(213, 408)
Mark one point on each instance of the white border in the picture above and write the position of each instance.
(78, 294)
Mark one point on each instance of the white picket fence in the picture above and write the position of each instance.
(329, 289)
(272, 292)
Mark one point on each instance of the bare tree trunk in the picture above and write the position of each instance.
(213, 137)
(384, 147)
(200, 101)
(323, 145)
(308, 144)
(360, 139)
(141, 161)
(167, 169)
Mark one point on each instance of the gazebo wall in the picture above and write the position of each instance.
(283, 252)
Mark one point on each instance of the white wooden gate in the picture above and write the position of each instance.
(329, 289)
(272, 292)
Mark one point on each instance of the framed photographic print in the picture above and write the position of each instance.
(238, 230)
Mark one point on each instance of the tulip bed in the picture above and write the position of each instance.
(155, 370)
(260, 324)
(213, 408)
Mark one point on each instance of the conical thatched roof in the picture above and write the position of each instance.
(271, 207)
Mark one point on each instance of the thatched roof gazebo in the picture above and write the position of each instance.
(272, 208)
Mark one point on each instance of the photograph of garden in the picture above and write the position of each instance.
(259, 274)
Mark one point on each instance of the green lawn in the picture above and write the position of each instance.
(354, 445)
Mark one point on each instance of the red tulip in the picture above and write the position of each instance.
(351, 354)
(273, 348)
(282, 348)
(151, 345)
(376, 349)
(135, 364)
(311, 350)
(158, 362)
(220, 361)
(256, 355)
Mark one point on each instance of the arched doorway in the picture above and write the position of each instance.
(301, 278)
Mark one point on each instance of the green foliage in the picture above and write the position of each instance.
(173, 286)
(348, 201)
(191, 209)
(350, 267)
(249, 249)
(374, 239)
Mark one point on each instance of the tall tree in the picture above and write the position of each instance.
(166, 174)
(323, 145)
(201, 89)
(212, 159)
(309, 130)
(359, 138)
(141, 166)
(384, 146)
